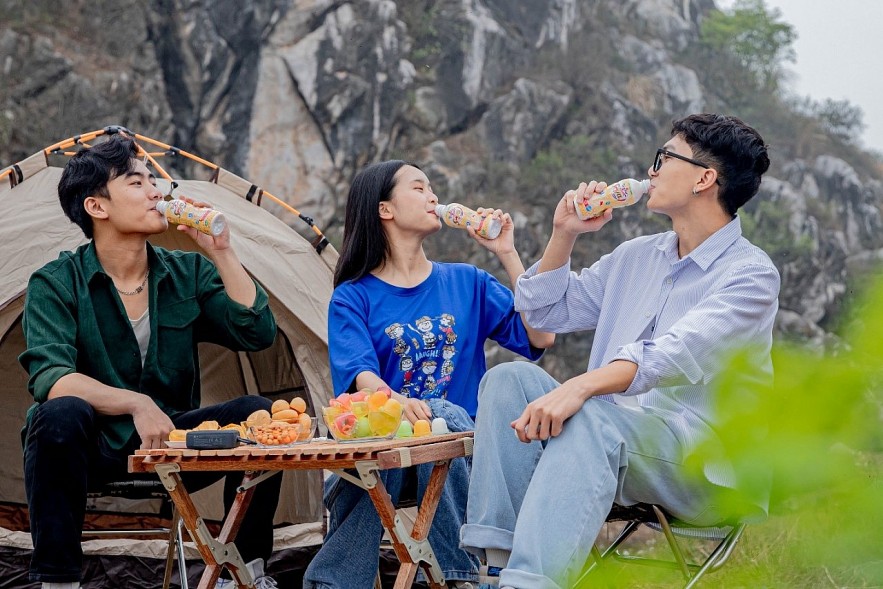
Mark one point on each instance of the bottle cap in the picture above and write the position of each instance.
(161, 206)
(440, 210)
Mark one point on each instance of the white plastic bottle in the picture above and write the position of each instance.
(179, 212)
(456, 215)
(621, 194)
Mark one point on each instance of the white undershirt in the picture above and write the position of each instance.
(141, 327)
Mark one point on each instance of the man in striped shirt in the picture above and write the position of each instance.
(665, 309)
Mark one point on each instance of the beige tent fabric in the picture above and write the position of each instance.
(33, 230)
(288, 537)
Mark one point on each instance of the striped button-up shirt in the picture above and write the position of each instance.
(674, 317)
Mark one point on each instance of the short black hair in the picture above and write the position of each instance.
(88, 172)
(733, 148)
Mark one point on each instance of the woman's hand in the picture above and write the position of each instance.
(504, 243)
(414, 409)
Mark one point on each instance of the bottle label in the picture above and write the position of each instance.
(620, 194)
(456, 215)
(183, 213)
(483, 225)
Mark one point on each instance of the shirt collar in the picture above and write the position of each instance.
(709, 250)
(91, 265)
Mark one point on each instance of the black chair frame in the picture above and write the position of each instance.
(147, 489)
(654, 517)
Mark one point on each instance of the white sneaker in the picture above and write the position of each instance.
(256, 568)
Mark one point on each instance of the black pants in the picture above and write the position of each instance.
(65, 456)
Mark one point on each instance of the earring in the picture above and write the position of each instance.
(695, 192)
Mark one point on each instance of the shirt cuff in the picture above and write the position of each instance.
(44, 382)
(646, 377)
(536, 291)
(241, 315)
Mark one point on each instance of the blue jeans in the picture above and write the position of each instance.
(546, 501)
(65, 456)
(349, 555)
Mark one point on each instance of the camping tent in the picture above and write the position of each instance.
(296, 273)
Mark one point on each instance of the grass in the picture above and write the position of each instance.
(770, 554)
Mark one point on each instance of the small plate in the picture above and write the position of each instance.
(181, 445)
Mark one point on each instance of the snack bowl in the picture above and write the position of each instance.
(344, 425)
(280, 433)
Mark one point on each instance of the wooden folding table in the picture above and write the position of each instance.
(366, 459)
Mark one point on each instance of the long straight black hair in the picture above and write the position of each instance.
(365, 246)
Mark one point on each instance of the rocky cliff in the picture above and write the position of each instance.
(502, 102)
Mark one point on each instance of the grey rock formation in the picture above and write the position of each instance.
(505, 103)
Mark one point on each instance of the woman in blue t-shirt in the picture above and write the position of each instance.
(397, 319)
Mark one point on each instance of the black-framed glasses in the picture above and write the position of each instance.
(662, 152)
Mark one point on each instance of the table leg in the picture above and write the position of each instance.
(413, 550)
(215, 553)
(426, 511)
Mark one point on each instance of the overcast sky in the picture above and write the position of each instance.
(839, 52)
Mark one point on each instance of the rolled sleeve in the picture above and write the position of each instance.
(229, 323)
(536, 291)
(50, 333)
(242, 316)
(647, 375)
(559, 300)
(42, 382)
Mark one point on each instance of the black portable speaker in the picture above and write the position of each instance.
(213, 439)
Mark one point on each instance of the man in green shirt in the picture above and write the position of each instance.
(112, 331)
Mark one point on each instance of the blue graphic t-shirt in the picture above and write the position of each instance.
(426, 341)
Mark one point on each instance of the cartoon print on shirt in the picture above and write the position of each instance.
(419, 356)
(407, 367)
(424, 326)
(429, 382)
(446, 324)
(447, 367)
(395, 332)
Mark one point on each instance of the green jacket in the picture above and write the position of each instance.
(74, 321)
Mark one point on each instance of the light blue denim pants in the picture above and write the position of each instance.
(348, 557)
(546, 502)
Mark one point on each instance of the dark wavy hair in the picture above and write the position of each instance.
(365, 246)
(87, 174)
(734, 149)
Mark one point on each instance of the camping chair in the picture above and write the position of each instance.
(655, 518)
(147, 489)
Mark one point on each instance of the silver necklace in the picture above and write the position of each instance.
(131, 293)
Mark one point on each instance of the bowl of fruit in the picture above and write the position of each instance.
(364, 415)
